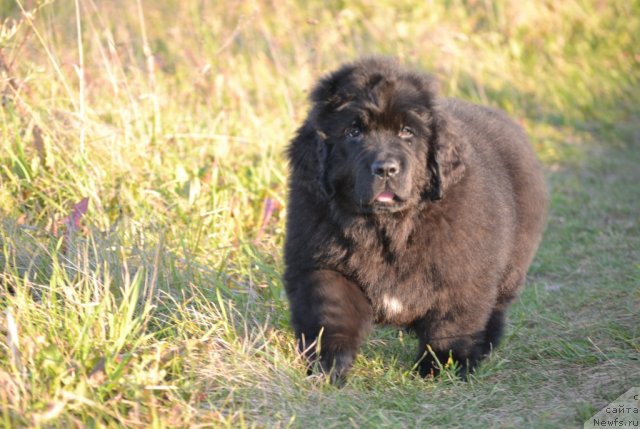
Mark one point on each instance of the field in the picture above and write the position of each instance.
(143, 198)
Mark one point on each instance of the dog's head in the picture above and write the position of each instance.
(375, 140)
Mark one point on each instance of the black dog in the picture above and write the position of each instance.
(409, 210)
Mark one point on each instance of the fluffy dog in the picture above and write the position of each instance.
(406, 209)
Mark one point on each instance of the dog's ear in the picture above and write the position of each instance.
(308, 155)
(332, 91)
(310, 150)
(446, 155)
(323, 152)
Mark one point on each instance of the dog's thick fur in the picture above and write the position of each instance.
(410, 210)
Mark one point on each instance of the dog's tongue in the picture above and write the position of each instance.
(385, 197)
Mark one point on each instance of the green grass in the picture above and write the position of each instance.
(162, 305)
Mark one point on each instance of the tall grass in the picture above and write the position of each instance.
(160, 302)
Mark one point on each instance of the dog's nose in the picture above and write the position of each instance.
(385, 167)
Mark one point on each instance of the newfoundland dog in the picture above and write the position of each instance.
(406, 209)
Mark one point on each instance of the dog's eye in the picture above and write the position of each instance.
(406, 133)
(353, 132)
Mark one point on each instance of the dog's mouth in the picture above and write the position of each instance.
(387, 201)
(385, 197)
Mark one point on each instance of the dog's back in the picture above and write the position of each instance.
(504, 149)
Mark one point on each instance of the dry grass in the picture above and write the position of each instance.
(142, 205)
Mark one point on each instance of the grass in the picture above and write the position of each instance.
(142, 205)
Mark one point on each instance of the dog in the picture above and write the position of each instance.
(406, 209)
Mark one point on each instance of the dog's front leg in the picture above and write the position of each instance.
(331, 316)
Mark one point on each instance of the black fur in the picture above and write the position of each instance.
(409, 210)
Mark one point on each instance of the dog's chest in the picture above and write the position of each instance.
(397, 284)
(395, 268)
